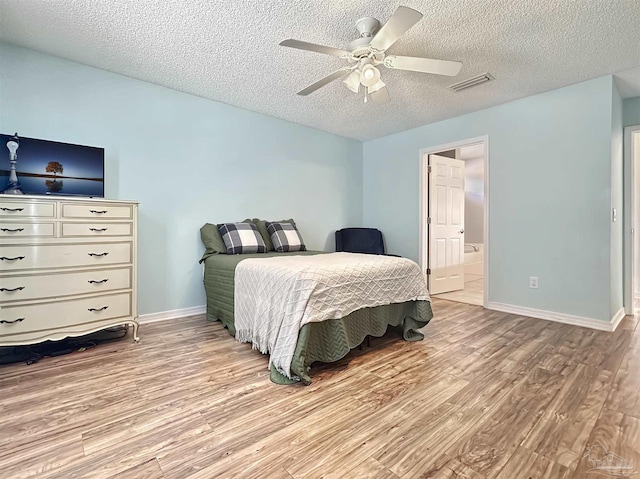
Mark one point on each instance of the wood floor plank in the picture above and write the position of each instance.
(359, 437)
(456, 419)
(57, 414)
(147, 470)
(525, 463)
(134, 449)
(41, 456)
(615, 440)
(447, 468)
(498, 435)
(486, 395)
(561, 432)
(367, 469)
(624, 396)
(575, 436)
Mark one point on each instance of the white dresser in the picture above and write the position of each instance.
(67, 267)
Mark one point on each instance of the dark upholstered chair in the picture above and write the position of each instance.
(360, 240)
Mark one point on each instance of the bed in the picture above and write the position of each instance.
(326, 341)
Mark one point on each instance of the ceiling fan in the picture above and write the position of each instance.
(366, 53)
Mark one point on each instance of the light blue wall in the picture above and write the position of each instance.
(187, 160)
(631, 110)
(617, 237)
(550, 195)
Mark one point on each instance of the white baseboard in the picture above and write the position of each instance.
(619, 316)
(505, 308)
(560, 317)
(173, 314)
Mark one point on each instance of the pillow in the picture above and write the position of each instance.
(241, 238)
(262, 228)
(285, 237)
(212, 240)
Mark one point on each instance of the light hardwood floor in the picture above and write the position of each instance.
(485, 395)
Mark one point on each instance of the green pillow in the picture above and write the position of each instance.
(262, 228)
(212, 239)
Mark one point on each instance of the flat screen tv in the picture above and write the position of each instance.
(53, 168)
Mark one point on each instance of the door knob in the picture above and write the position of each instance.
(462, 231)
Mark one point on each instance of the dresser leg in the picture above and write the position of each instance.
(136, 338)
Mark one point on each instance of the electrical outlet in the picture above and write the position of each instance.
(533, 282)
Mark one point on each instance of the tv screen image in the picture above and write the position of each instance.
(54, 168)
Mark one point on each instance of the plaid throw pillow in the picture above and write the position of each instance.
(285, 237)
(240, 238)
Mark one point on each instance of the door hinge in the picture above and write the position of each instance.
(429, 169)
(428, 270)
(428, 221)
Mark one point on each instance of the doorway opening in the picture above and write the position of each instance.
(632, 218)
(454, 216)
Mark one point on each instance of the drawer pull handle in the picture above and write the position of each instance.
(98, 254)
(99, 212)
(93, 310)
(93, 281)
(9, 290)
(4, 258)
(98, 230)
(9, 230)
(6, 321)
(12, 210)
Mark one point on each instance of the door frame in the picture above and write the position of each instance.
(630, 167)
(424, 207)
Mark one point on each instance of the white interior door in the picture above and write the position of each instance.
(446, 224)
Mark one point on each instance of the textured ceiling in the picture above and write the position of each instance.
(628, 81)
(228, 50)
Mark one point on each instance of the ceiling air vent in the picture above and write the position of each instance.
(473, 81)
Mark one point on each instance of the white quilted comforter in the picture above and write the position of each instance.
(275, 297)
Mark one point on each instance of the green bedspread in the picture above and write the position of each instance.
(326, 341)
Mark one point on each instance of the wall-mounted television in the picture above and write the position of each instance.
(53, 168)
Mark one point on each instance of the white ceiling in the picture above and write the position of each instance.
(228, 50)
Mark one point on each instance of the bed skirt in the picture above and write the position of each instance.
(331, 340)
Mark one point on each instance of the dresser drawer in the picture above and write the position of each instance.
(97, 229)
(24, 209)
(55, 314)
(13, 258)
(21, 230)
(108, 211)
(22, 288)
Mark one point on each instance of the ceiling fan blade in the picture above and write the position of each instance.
(423, 65)
(325, 81)
(399, 23)
(381, 96)
(313, 47)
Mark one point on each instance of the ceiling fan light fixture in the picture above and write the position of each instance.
(376, 87)
(369, 75)
(353, 82)
(369, 51)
